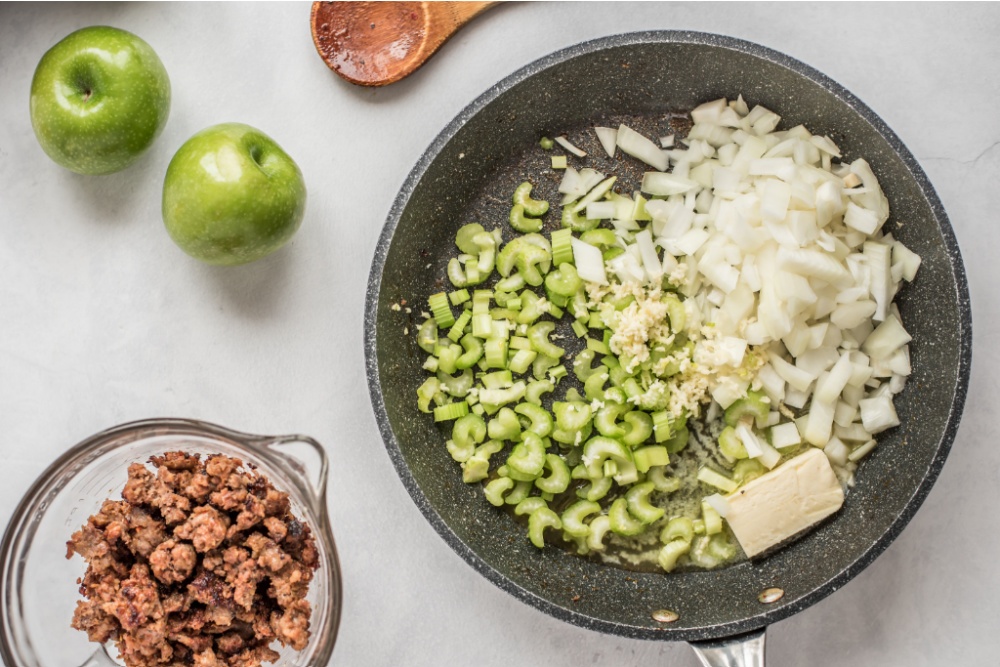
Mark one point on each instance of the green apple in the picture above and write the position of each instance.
(232, 195)
(99, 98)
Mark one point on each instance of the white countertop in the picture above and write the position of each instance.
(103, 320)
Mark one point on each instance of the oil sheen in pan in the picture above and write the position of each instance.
(640, 553)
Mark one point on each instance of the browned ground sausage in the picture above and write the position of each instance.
(201, 563)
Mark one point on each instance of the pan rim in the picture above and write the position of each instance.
(951, 247)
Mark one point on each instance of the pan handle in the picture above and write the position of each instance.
(746, 650)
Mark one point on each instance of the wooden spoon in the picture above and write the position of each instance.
(378, 43)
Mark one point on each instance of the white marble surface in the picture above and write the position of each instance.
(103, 320)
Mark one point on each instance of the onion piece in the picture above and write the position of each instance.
(888, 337)
(878, 413)
(608, 136)
(709, 112)
(641, 148)
(564, 142)
(650, 260)
(909, 260)
(718, 503)
(785, 435)
(589, 262)
(600, 210)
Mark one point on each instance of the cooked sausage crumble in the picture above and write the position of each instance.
(201, 564)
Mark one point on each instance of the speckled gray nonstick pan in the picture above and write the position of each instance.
(468, 174)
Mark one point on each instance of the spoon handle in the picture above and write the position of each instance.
(463, 12)
(745, 650)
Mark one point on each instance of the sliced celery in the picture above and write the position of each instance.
(528, 456)
(520, 221)
(521, 361)
(427, 335)
(538, 521)
(637, 500)
(671, 552)
(564, 281)
(755, 404)
(468, 431)
(574, 515)
(582, 367)
(597, 346)
(425, 393)
(501, 397)
(713, 522)
(533, 207)
(458, 297)
(497, 379)
(678, 528)
(457, 329)
(528, 505)
(496, 488)
(504, 426)
(538, 334)
(450, 411)
(571, 219)
(663, 425)
(539, 418)
(441, 309)
(716, 479)
(562, 247)
(622, 522)
(464, 238)
(650, 456)
(558, 479)
(496, 353)
(535, 389)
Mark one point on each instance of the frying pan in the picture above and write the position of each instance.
(468, 173)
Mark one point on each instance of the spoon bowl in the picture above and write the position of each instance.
(378, 43)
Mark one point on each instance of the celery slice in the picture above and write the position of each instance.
(450, 411)
(441, 309)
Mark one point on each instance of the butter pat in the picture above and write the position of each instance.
(777, 505)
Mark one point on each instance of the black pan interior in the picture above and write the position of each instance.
(468, 175)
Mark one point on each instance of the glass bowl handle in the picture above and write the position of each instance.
(305, 459)
(99, 659)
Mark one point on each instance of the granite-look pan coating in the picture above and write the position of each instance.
(467, 175)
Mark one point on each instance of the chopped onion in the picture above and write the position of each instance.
(641, 148)
(691, 241)
(820, 423)
(570, 182)
(650, 260)
(608, 136)
(878, 413)
(861, 219)
(718, 503)
(589, 262)
(888, 337)
(785, 435)
(836, 451)
(784, 260)
(564, 142)
(830, 384)
(907, 259)
(709, 112)
(600, 210)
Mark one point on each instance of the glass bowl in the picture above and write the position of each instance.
(39, 585)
